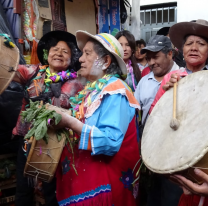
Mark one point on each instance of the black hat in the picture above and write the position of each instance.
(157, 43)
(59, 35)
(163, 31)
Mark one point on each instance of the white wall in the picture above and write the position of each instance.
(187, 10)
(135, 19)
(191, 10)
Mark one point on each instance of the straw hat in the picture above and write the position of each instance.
(179, 31)
(108, 41)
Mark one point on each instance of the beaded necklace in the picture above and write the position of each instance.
(87, 93)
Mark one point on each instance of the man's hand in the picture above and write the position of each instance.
(193, 187)
(174, 78)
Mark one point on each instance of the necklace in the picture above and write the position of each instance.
(87, 93)
(61, 76)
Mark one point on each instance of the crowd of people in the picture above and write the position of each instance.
(125, 79)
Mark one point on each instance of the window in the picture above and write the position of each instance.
(158, 15)
(154, 17)
(172, 14)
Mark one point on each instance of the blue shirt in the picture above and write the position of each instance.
(146, 91)
(108, 124)
(190, 72)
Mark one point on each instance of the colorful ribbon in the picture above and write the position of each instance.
(131, 71)
(61, 76)
(90, 90)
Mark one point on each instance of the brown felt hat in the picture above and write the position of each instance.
(180, 30)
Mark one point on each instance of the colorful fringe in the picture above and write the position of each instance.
(61, 76)
(90, 89)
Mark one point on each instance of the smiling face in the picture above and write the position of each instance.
(59, 57)
(91, 65)
(159, 62)
(195, 51)
(126, 48)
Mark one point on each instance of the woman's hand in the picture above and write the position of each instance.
(174, 78)
(190, 187)
(68, 121)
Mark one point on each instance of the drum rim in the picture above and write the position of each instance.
(14, 69)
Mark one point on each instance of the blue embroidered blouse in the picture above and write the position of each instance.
(108, 124)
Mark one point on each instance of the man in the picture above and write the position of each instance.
(141, 58)
(178, 56)
(159, 57)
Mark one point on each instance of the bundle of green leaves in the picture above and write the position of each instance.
(40, 117)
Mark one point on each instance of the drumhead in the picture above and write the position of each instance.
(9, 61)
(167, 151)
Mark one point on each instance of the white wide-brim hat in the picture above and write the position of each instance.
(108, 41)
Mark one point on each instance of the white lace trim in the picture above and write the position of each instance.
(96, 103)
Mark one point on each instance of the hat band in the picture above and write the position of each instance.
(110, 43)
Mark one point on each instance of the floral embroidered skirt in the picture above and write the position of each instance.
(102, 180)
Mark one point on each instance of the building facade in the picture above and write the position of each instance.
(155, 14)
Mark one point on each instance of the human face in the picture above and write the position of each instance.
(195, 51)
(159, 63)
(59, 57)
(138, 54)
(126, 48)
(91, 64)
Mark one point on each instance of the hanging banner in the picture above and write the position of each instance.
(103, 16)
(115, 26)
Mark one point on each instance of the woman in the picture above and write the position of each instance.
(141, 58)
(193, 41)
(107, 152)
(54, 83)
(128, 44)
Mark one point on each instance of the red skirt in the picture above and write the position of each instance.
(193, 200)
(102, 180)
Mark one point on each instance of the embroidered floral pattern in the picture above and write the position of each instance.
(127, 179)
(65, 165)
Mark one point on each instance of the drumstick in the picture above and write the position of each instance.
(174, 123)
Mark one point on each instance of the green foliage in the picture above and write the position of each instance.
(39, 116)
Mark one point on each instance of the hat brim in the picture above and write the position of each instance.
(60, 35)
(151, 48)
(179, 31)
(83, 37)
